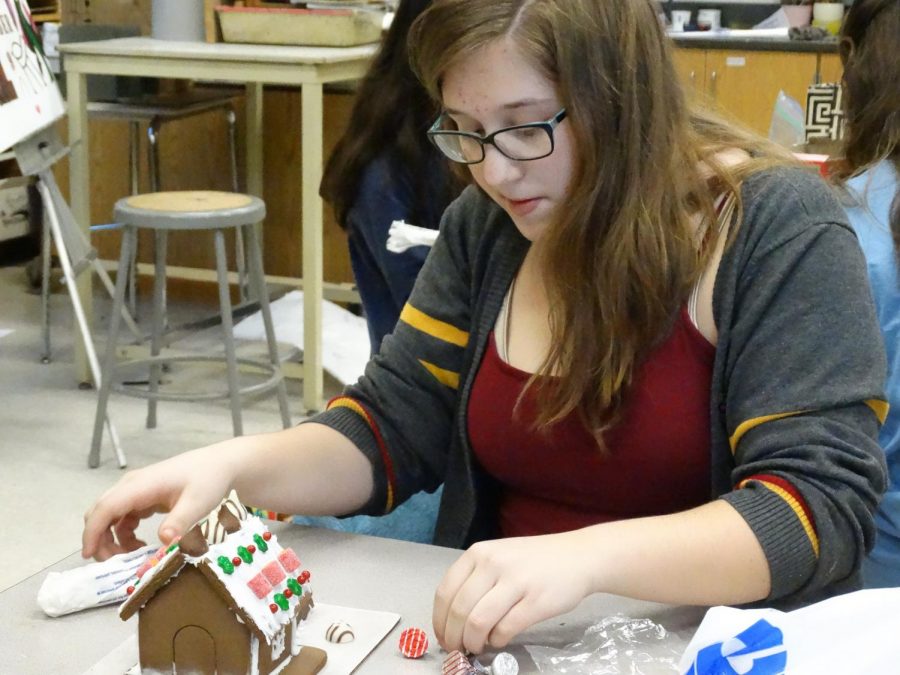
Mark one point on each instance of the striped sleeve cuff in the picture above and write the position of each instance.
(781, 521)
(352, 419)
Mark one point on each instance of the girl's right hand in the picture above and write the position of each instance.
(186, 487)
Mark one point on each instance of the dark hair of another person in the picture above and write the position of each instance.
(870, 52)
(392, 113)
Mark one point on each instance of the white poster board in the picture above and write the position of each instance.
(29, 97)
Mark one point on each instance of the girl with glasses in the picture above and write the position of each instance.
(870, 43)
(641, 356)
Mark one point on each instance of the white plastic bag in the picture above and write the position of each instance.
(854, 633)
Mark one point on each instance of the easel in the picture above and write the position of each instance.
(36, 156)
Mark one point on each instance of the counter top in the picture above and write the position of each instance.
(713, 41)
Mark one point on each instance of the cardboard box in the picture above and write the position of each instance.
(15, 210)
(288, 26)
(116, 12)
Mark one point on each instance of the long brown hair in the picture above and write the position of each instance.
(391, 114)
(870, 52)
(623, 256)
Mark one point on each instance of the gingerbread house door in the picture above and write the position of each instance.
(193, 651)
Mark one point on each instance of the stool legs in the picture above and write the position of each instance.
(129, 240)
(228, 333)
(45, 289)
(159, 321)
(258, 288)
(239, 252)
(134, 149)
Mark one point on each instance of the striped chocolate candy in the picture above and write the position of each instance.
(340, 632)
(457, 664)
(413, 643)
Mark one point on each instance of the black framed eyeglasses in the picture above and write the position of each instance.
(522, 142)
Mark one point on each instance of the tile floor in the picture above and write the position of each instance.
(46, 423)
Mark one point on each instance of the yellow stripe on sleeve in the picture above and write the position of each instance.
(880, 408)
(746, 426)
(795, 507)
(433, 327)
(445, 377)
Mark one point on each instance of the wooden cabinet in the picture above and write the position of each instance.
(745, 84)
(830, 68)
(690, 64)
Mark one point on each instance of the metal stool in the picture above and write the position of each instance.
(194, 211)
(155, 110)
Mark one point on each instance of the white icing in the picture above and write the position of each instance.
(278, 644)
(295, 639)
(151, 573)
(236, 583)
(254, 655)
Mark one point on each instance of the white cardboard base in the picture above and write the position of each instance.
(369, 626)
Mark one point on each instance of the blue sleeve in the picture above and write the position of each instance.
(385, 279)
(873, 193)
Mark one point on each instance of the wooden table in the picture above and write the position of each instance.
(348, 570)
(255, 66)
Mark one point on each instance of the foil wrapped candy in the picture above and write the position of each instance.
(456, 663)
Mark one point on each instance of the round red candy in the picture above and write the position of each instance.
(413, 643)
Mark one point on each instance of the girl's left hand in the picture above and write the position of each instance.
(498, 588)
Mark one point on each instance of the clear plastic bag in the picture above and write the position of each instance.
(788, 127)
(617, 645)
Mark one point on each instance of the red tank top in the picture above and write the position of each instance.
(657, 458)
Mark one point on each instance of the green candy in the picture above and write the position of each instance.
(246, 556)
(296, 588)
(225, 564)
(260, 543)
(281, 601)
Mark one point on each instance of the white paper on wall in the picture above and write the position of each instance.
(29, 97)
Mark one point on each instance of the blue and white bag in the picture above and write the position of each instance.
(855, 634)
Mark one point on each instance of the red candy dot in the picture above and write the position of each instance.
(304, 577)
(252, 549)
(267, 535)
(273, 607)
(288, 593)
(130, 590)
(236, 561)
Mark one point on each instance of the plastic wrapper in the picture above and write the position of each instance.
(788, 124)
(617, 645)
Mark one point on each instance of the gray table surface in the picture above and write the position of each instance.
(348, 570)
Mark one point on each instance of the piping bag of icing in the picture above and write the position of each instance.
(91, 585)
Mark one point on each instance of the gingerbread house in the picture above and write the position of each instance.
(225, 599)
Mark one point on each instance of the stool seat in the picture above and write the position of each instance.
(189, 210)
(149, 107)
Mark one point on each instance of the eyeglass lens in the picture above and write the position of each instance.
(522, 143)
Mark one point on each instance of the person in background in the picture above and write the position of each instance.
(870, 51)
(641, 357)
(384, 169)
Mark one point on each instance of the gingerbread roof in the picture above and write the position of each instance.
(261, 582)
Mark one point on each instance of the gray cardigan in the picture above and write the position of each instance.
(797, 387)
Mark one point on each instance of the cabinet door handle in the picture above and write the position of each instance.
(713, 80)
(693, 78)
